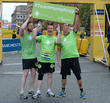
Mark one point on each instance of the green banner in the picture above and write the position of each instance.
(53, 12)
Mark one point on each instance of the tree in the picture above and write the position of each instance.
(84, 15)
(108, 9)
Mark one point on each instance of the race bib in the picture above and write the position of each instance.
(46, 55)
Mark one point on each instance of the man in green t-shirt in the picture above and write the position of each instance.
(47, 59)
(29, 57)
(70, 55)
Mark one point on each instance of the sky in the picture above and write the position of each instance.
(8, 9)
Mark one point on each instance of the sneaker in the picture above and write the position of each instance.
(22, 96)
(50, 94)
(61, 94)
(37, 95)
(31, 93)
(83, 95)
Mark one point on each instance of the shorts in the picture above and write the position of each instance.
(45, 67)
(29, 63)
(70, 64)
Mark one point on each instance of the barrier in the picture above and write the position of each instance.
(9, 33)
(10, 45)
(82, 46)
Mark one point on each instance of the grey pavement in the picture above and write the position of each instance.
(96, 82)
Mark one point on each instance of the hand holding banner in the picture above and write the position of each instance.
(53, 12)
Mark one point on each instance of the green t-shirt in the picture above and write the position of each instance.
(28, 46)
(47, 49)
(69, 46)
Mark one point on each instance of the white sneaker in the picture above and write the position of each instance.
(50, 94)
(36, 95)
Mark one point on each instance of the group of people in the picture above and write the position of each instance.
(67, 56)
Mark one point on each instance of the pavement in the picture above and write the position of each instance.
(96, 82)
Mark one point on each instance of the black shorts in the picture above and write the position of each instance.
(29, 63)
(70, 64)
(45, 67)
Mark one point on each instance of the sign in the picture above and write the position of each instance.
(53, 12)
(100, 12)
(10, 45)
(99, 33)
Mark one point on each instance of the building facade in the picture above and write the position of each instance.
(19, 15)
(29, 8)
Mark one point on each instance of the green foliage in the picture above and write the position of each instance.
(84, 15)
(108, 9)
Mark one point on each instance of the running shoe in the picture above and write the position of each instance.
(50, 94)
(83, 95)
(61, 94)
(37, 95)
(31, 93)
(22, 96)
